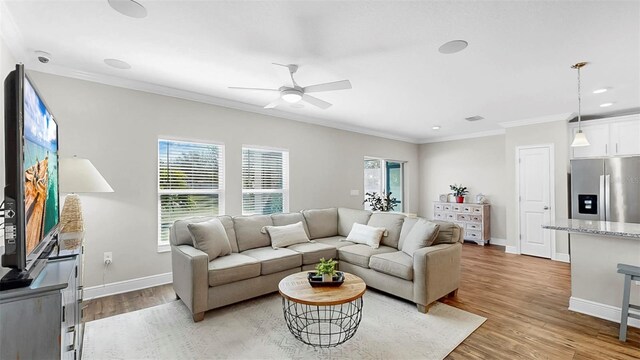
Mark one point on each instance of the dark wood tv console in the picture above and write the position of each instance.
(43, 320)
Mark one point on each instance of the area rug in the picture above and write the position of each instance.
(255, 329)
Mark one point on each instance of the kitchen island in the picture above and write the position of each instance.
(596, 248)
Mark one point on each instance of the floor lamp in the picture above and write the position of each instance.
(77, 175)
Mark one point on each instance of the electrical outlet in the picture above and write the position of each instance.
(108, 258)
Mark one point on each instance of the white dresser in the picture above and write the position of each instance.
(475, 219)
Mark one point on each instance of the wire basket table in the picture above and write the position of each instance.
(322, 316)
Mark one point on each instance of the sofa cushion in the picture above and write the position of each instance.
(423, 234)
(275, 260)
(249, 231)
(366, 235)
(407, 225)
(396, 264)
(335, 241)
(210, 237)
(321, 222)
(449, 233)
(287, 235)
(232, 268)
(348, 217)
(313, 252)
(179, 233)
(392, 223)
(288, 219)
(359, 254)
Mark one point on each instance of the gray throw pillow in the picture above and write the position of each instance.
(210, 237)
(422, 234)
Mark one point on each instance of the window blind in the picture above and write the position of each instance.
(265, 177)
(190, 182)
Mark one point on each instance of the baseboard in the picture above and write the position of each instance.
(599, 310)
(511, 250)
(561, 257)
(120, 287)
(498, 241)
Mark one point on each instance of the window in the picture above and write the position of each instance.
(265, 181)
(190, 183)
(386, 176)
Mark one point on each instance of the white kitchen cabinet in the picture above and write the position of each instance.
(625, 137)
(617, 136)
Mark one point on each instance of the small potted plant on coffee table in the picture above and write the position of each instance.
(326, 268)
(459, 192)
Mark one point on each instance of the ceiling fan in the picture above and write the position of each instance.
(295, 93)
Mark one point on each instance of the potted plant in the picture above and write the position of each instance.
(380, 202)
(326, 268)
(459, 192)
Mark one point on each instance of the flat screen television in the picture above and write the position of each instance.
(31, 171)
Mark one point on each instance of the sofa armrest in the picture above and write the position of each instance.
(436, 272)
(190, 276)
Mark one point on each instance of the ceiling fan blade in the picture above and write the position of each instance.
(274, 103)
(315, 101)
(336, 85)
(247, 88)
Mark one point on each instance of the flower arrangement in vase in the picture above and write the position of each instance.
(459, 192)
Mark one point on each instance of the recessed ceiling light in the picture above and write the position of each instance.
(118, 64)
(437, 127)
(453, 46)
(43, 56)
(600, 91)
(128, 8)
(606, 104)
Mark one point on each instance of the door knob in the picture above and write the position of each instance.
(545, 208)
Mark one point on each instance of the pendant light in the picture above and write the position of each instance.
(580, 139)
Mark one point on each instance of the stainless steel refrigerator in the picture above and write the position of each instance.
(606, 189)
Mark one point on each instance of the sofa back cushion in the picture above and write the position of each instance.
(288, 219)
(321, 222)
(407, 225)
(348, 217)
(179, 233)
(449, 233)
(249, 231)
(392, 223)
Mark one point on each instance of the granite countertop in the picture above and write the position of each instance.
(607, 228)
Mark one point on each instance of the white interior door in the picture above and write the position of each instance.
(535, 181)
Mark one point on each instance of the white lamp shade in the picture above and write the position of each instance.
(80, 176)
(580, 140)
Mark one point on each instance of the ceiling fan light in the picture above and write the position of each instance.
(580, 140)
(291, 96)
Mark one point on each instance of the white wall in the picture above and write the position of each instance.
(117, 129)
(477, 163)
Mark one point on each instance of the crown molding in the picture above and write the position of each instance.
(463, 136)
(538, 120)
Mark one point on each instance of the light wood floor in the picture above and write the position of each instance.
(524, 299)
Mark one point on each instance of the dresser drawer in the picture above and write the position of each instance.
(472, 235)
(456, 208)
(477, 210)
(450, 217)
(463, 217)
(439, 216)
(476, 218)
(467, 209)
(471, 226)
(446, 207)
(438, 207)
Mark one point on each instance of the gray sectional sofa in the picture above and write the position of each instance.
(254, 268)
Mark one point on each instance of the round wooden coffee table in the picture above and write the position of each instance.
(322, 316)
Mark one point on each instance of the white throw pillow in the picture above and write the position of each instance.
(210, 237)
(283, 236)
(367, 235)
(422, 234)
